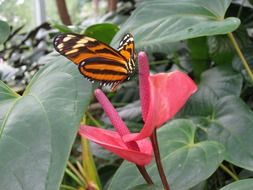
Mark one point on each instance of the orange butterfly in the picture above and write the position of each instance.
(98, 61)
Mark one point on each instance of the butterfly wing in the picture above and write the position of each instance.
(127, 50)
(96, 60)
(78, 48)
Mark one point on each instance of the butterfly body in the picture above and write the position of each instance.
(98, 61)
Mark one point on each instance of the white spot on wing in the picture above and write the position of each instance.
(67, 38)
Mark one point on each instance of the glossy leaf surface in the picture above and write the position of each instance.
(37, 129)
(245, 184)
(163, 21)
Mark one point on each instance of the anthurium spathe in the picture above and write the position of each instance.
(162, 96)
(138, 152)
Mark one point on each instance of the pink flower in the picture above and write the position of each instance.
(162, 96)
(139, 152)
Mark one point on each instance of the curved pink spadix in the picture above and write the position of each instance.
(139, 152)
(162, 96)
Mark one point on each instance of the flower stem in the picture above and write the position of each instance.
(158, 160)
(76, 172)
(67, 187)
(145, 174)
(239, 52)
(229, 172)
(88, 163)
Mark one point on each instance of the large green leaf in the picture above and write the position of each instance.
(215, 83)
(162, 21)
(223, 81)
(232, 125)
(186, 162)
(225, 118)
(38, 129)
(245, 184)
(4, 31)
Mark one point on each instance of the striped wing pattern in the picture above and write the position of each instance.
(96, 60)
(126, 48)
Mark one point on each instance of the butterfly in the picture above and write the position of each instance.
(97, 61)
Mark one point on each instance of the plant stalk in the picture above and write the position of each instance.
(74, 177)
(76, 172)
(239, 52)
(158, 161)
(89, 164)
(67, 187)
(142, 169)
(229, 172)
(145, 174)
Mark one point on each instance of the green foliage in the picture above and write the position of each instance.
(220, 49)
(217, 109)
(218, 112)
(199, 52)
(146, 187)
(245, 184)
(63, 28)
(39, 127)
(167, 21)
(214, 127)
(4, 31)
(237, 63)
(18, 13)
(103, 32)
(222, 80)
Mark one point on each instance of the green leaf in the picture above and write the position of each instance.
(200, 186)
(199, 55)
(62, 28)
(223, 81)
(4, 31)
(186, 163)
(67, 29)
(200, 104)
(220, 49)
(164, 21)
(6, 92)
(215, 83)
(232, 126)
(227, 120)
(146, 187)
(103, 32)
(245, 184)
(38, 129)
(237, 64)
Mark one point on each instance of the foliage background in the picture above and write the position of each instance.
(208, 144)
